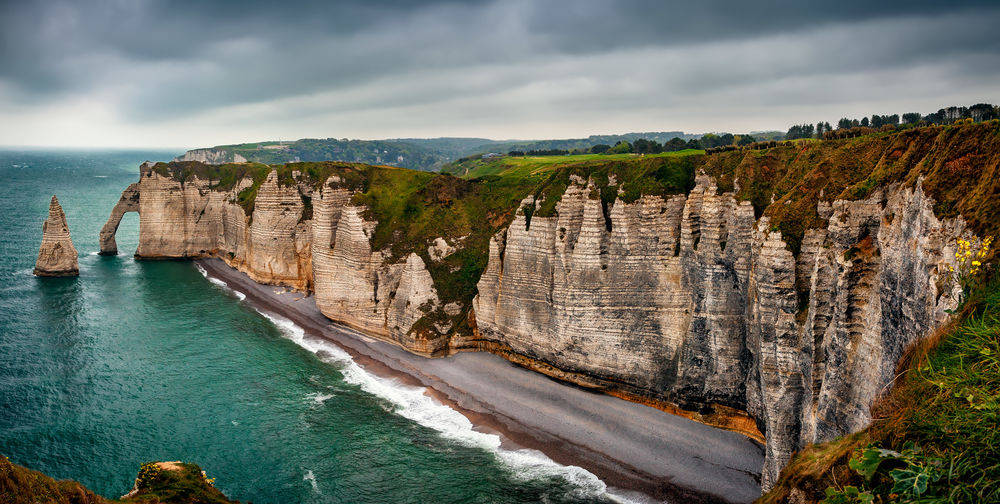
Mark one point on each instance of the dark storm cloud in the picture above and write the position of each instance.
(154, 59)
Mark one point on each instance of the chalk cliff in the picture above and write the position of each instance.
(57, 256)
(211, 156)
(711, 297)
(188, 217)
(693, 301)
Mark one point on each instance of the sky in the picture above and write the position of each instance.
(156, 73)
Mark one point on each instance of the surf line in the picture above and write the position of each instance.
(414, 404)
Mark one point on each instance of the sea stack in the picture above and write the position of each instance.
(57, 255)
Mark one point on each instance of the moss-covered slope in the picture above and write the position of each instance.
(157, 482)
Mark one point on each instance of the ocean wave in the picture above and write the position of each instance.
(414, 404)
(319, 397)
(219, 283)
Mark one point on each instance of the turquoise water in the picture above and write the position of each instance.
(139, 361)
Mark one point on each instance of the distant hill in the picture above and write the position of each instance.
(375, 152)
(428, 154)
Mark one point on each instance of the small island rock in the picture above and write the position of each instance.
(57, 256)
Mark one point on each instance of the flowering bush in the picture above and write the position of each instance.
(971, 258)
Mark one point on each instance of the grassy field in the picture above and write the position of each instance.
(537, 167)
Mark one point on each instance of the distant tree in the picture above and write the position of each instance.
(745, 140)
(709, 140)
(694, 143)
(844, 123)
(548, 152)
(911, 118)
(600, 148)
(800, 131)
(865, 123)
(515, 153)
(622, 147)
(820, 129)
(982, 112)
(675, 144)
(643, 146)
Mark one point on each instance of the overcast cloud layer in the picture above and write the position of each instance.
(188, 74)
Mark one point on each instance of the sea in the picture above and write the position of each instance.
(137, 361)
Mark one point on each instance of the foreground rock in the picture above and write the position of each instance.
(164, 482)
(57, 255)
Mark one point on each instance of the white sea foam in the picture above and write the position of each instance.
(319, 397)
(311, 478)
(219, 283)
(414, 404)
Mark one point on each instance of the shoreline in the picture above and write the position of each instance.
(633, 448)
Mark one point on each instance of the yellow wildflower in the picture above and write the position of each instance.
(977, 263)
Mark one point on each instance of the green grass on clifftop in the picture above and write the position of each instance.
(958, 165)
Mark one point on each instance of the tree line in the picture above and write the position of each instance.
(846, 128)
(852, 126)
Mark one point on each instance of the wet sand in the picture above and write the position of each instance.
(632, 447)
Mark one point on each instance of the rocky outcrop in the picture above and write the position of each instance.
(57, 256)
(294, 235)
(693, 301)
(211, 156)
(129, 202)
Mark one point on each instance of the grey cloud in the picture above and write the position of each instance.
(165, 60)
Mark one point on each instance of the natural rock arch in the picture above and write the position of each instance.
(129, 202)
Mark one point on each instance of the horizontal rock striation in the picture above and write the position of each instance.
(211, 156)
(57, 257)
(693, 301)
(296, 233)
(688, 300)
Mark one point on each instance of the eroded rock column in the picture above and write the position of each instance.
(57, 256)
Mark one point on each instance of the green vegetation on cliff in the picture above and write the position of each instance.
(157, 482)
(934, 438)
(958, 166)
(477, 197)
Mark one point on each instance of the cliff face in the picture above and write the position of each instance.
(768, 304)
(211, 156)
(693, 301)
(57, 256)
(282, 242)
(362, 288)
